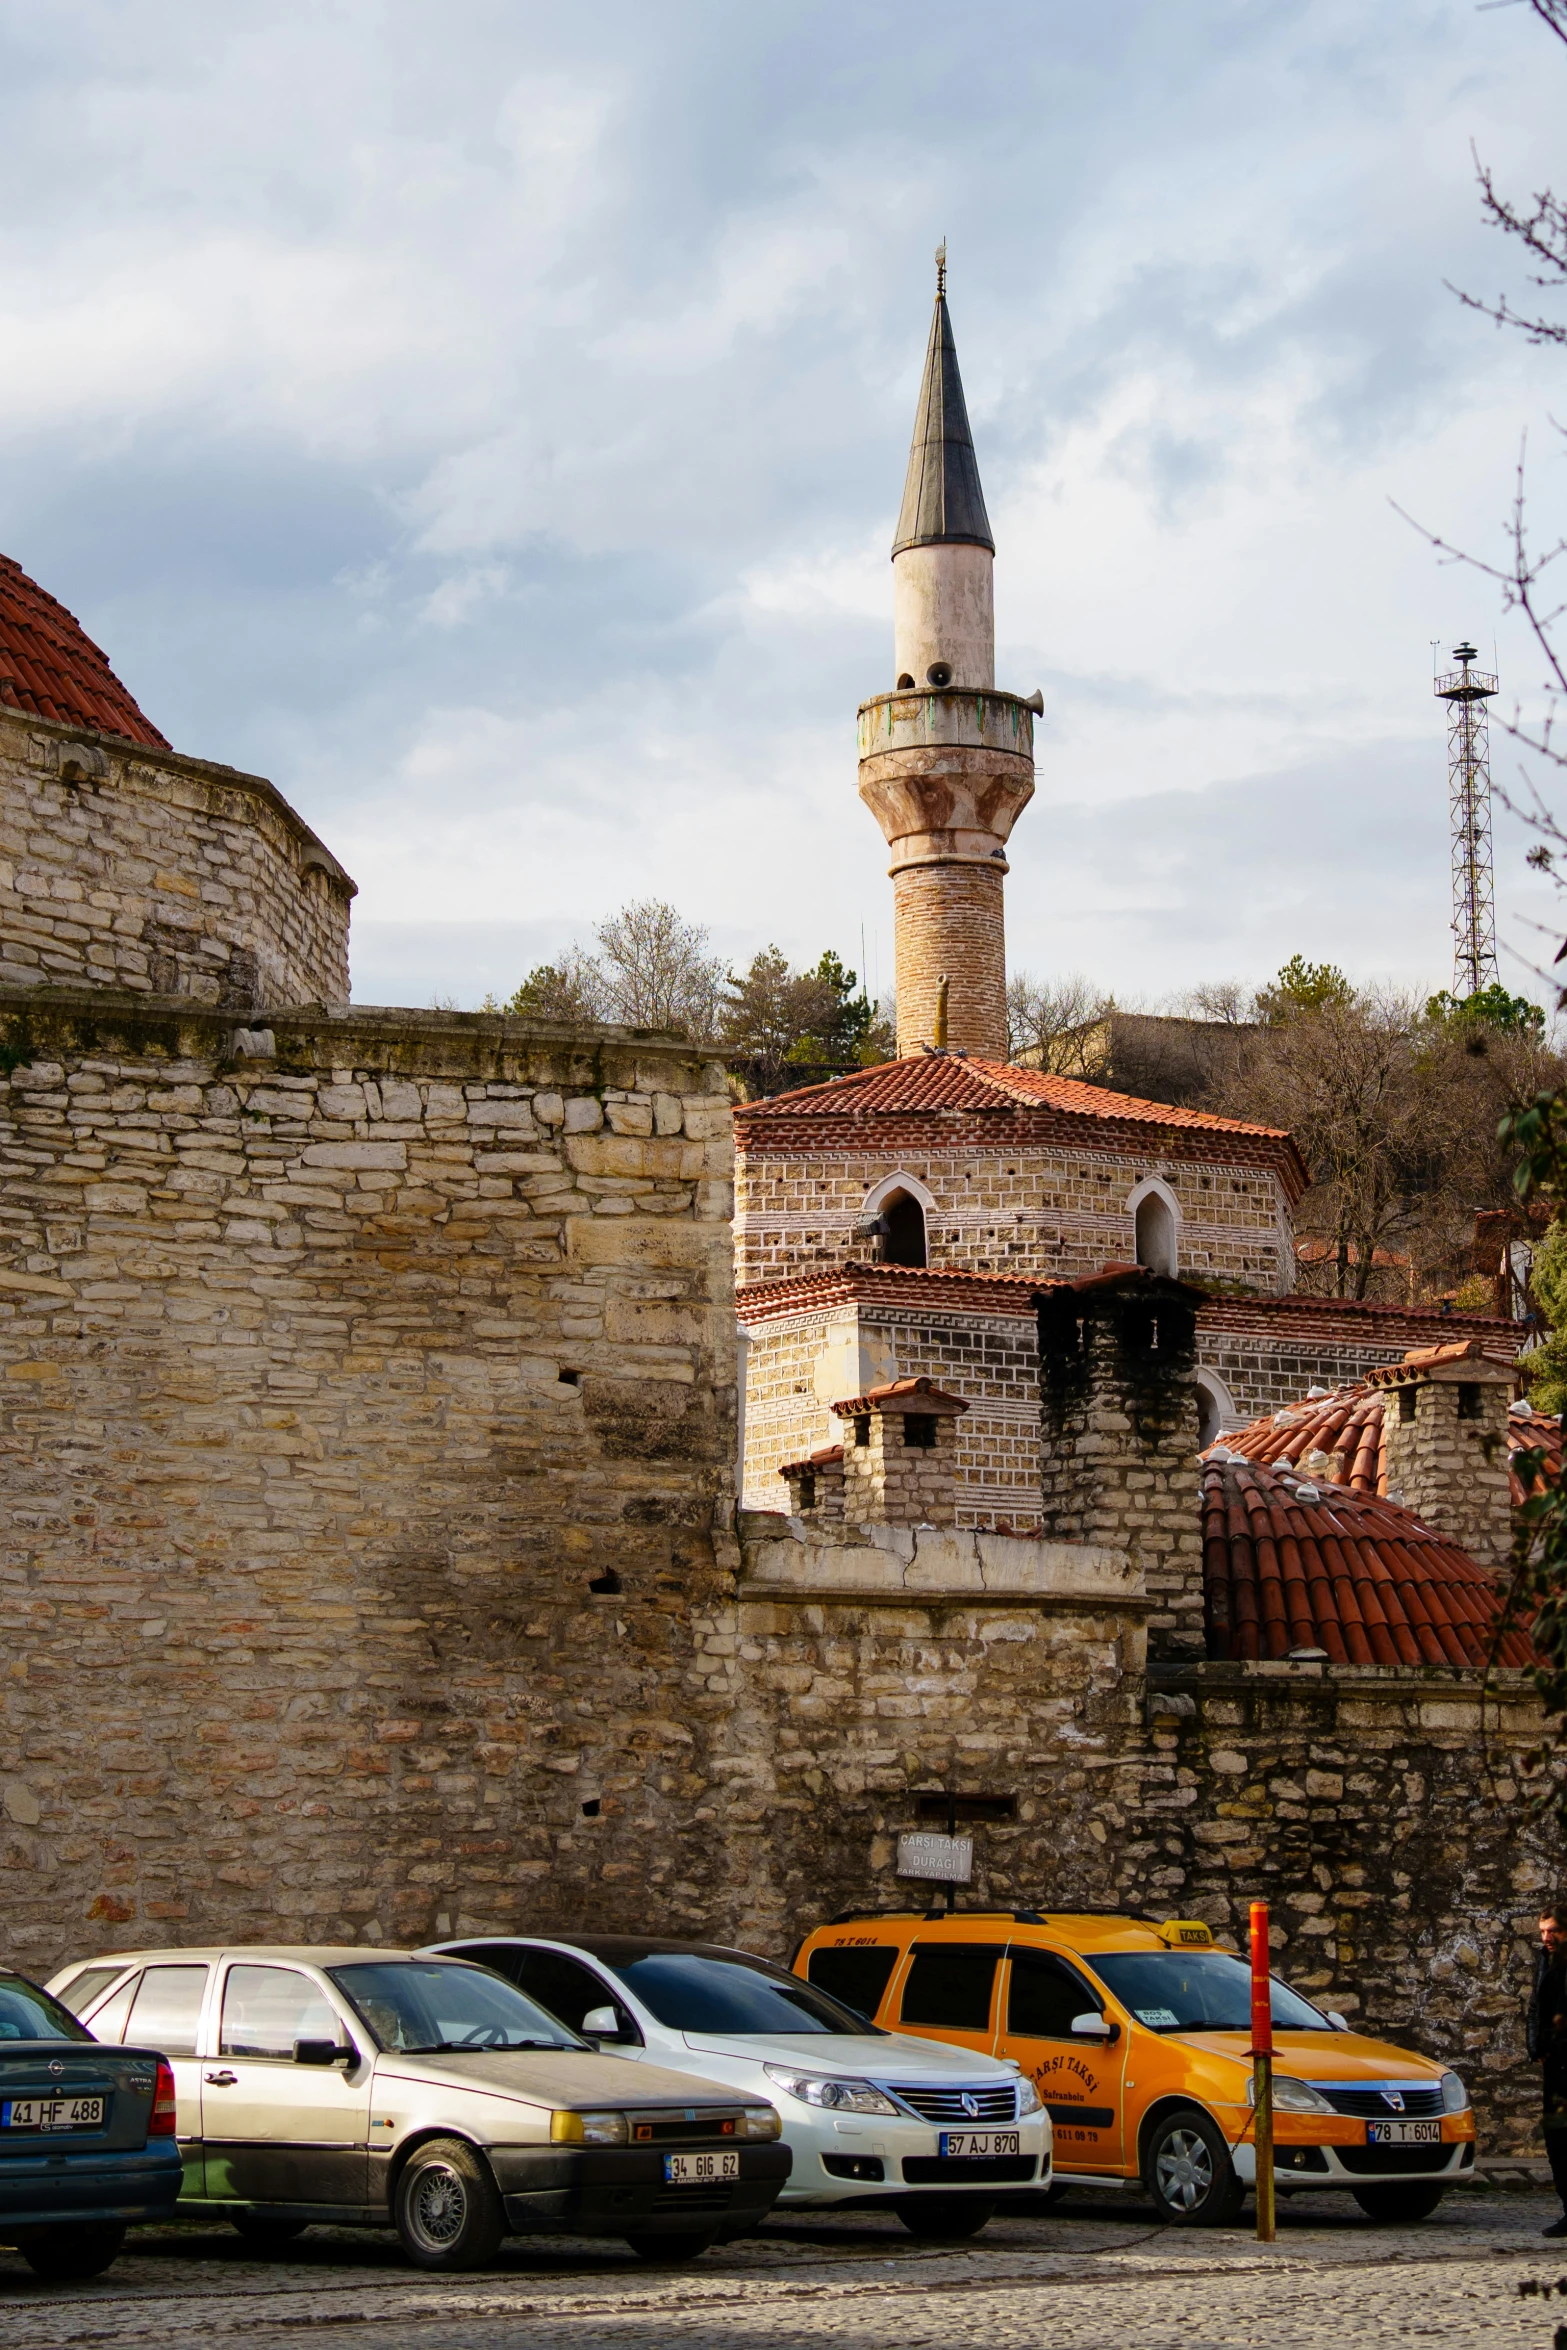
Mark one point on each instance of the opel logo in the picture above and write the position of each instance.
(970, 2105)
(56, 2066)
(1395, 2098)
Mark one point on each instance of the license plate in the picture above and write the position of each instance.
(51, 2113)
(700, 2170)
(970, 2145)
(1403, 2133)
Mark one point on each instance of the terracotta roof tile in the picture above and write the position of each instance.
(896, 1394)
(910, 1285)
(51, 667)
(1340, 1436)
(953, 1081)
(1291, 1562)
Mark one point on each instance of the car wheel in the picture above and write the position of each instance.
(260, 2229)
(944, 2219)
(70, 2253)
(1395, 2206)
(670, 2251)
(448, 2209)
(1188, 2172)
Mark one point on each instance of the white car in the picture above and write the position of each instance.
(377, 2088)
(871, 2117)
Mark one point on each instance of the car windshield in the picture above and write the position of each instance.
(428, 2008)
(26, 2013)
(1198, 1991)
(690, 1992)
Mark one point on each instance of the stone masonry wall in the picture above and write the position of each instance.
(131, 868)
(1382, 1814)
(1050, 1216)
(1269, 1353)
(1451, 1470)
(364, 1415)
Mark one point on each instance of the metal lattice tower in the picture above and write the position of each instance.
(1466, 690)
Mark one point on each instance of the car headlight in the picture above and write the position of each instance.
(759, 2121)
(1290, 2095)
(1028, 2097)
(1455, 2097)
(841, 2095)
(589, 2129)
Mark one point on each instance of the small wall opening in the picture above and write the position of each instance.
(1471, 1405)
(1156, 1233)
(905, 1221)
(919, 1430)
(1406, 1403)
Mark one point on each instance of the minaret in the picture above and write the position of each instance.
(946, 762)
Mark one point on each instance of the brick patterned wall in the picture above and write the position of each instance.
(304, 1538)
(1049, 1214)
(991, 1361)
(132, 868)
(950, 919)
(1269, 1355)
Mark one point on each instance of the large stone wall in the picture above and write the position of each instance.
(125, 867)
(365, 1413)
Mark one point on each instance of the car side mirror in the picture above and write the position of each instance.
(322, 2052)
(1095, 2027)
(1340, 2023)
(601, 2023)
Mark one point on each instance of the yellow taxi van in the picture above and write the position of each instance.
(1137, 2035)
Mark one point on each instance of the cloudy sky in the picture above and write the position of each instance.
(488, 420)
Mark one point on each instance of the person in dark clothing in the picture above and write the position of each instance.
(1546, 2035)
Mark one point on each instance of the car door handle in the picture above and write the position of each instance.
(221, 2080)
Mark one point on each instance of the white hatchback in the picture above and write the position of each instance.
(871, 2117)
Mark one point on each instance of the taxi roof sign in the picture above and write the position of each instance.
(1185, 1934)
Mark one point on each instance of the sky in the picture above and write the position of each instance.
(489, 421)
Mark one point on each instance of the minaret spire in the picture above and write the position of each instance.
(943, 504)
(946, 762)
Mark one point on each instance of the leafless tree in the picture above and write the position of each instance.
(656, 970)
(1061, 1021)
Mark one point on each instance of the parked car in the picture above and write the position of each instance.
(1137, 2037)
(870, 2118)
(86, 2136)
(367, 2087)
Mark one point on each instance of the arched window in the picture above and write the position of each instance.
(1155, 1224)
(905, 1237)
(1215, 1409)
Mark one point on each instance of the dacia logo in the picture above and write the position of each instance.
(1394, 2098)
(970, 2105)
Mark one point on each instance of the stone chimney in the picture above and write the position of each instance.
(816, 1485)
(899, 1465)
(1119, 1435)
(1444, 1426)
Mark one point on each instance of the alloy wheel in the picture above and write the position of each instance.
(1183, 2169)
(438, 2207)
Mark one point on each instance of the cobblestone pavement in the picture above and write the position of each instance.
(1091, 2275)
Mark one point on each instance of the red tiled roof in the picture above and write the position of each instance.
(824, 1458)
(899, 1285)
(951, 1081)
(1341, 1435)
(51, 667)
(896, 1394)
(1292, 1563)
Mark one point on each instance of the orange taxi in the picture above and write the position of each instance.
(1137, 2036)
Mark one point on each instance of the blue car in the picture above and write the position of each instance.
(87, 2138)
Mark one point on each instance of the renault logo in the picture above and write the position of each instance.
(970, 2105)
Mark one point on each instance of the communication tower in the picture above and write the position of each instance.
(1466, 690)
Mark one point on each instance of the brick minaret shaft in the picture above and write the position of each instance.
(946, 762)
